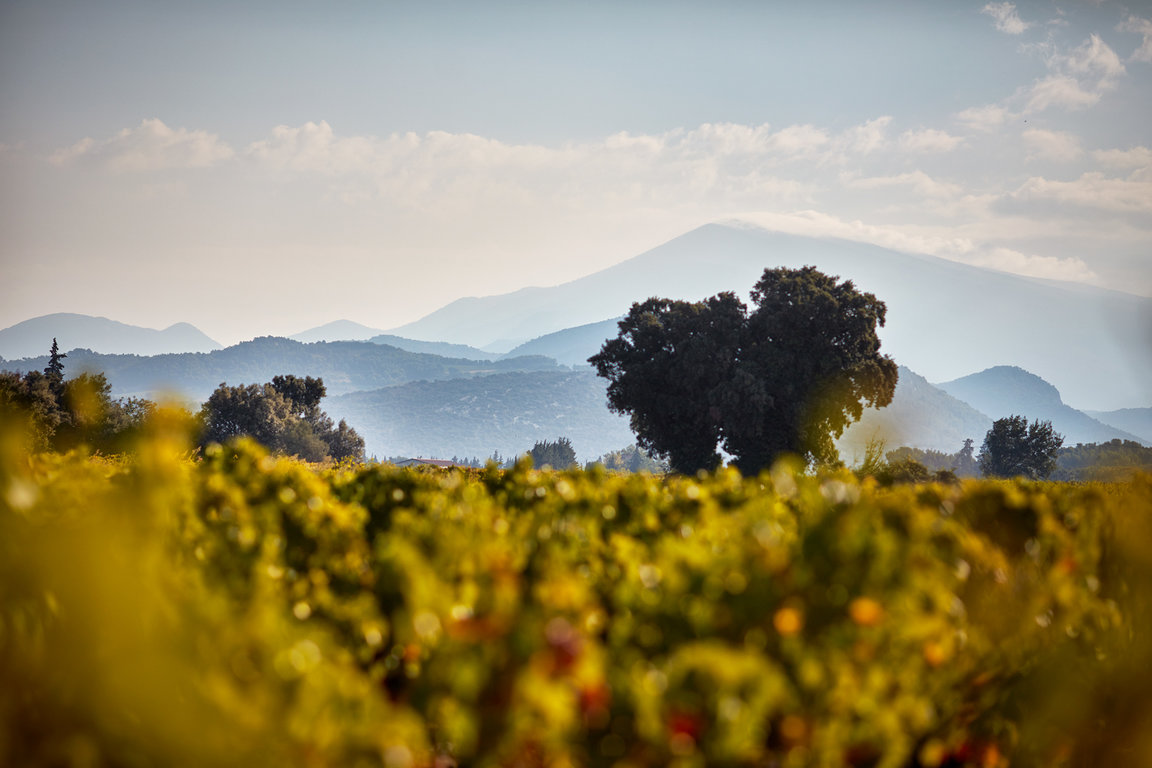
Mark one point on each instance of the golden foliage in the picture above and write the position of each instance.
(237, 608)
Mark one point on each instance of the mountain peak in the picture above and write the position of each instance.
(337, 330)
(1011, 381)
(1007, 390)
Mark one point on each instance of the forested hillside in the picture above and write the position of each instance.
(345, 366)
(508, 413)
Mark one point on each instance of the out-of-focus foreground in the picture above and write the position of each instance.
(235, 608)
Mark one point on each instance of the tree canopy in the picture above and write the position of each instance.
(1016, 448)
(284, 415)
(63, 414)
(557, 455)
(786, 377)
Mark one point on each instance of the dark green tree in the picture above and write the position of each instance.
(80, 412)
(557, 455)
(283, 415)
(809, 363)
(966, 464)
(666, 368)
(787, 377)
(55, 369)
(1016, 448)
(304, 394)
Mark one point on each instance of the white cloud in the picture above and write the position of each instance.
(1092, 190)
(1092, 58)
(714, 158)
(910, 239)
(798, 139)
(1032, 265)
(150, 146)
(1142, 27)
(1079, 77)
(986, 119)
(918, 181)
(1006, 18)
(1059, 91)
(1051, 145)
(865, 138)
(929, 140)
(1137, 157)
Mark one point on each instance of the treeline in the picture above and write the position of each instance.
(1113, 460)
(64, 414)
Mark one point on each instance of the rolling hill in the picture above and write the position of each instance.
(345, 366)
(944, 318)
(508, 413)
(1136, 421)
(442, 348)
(33, 338)
(571, 346)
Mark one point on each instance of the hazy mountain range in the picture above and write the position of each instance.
(429, 388)
(945, 319)
(413, 403)
(345, 366)
(32, 338)
(1007, 390)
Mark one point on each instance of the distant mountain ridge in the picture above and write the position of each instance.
(33, 337)
(1137, 421)
(944, 318)
(571, 346)
(442, 348)
(345, 366)
(1009, 390)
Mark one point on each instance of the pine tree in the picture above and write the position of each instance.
(55, 369)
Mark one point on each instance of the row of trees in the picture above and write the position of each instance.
(1013, 447)
(63, 414)
(284, 415)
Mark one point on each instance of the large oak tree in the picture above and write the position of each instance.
(786, 377)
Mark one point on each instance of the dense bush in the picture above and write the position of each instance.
(246, 609)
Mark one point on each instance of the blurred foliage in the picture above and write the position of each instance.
(66, 414)
(245, 609)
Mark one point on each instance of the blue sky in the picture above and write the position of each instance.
(271, 167)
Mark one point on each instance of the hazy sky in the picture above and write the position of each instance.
(268, 168)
